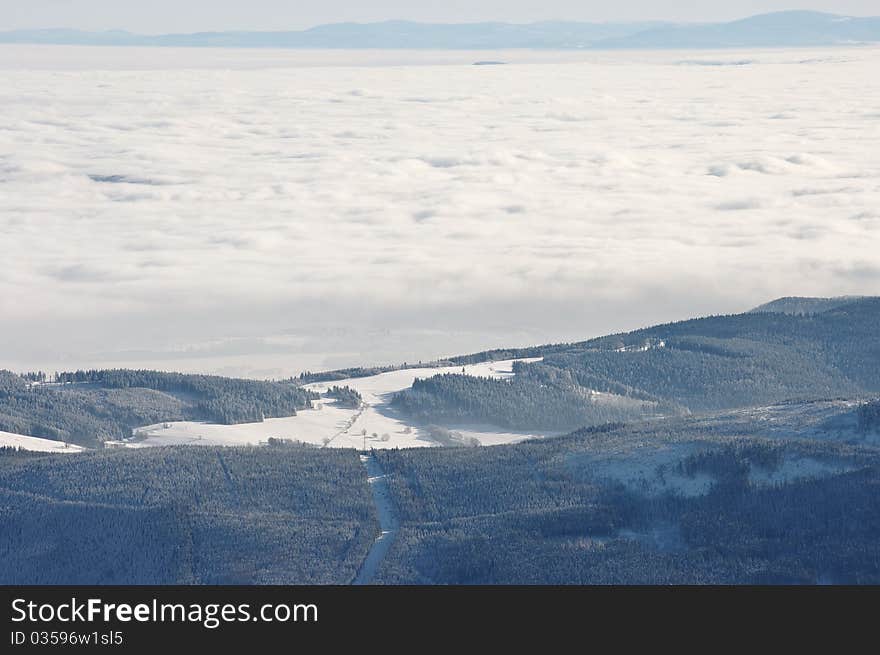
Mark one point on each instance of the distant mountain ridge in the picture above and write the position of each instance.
(798, 306)
(787, 28)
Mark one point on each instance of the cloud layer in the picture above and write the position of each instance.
(148, 210)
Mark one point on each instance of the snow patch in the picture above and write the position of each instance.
(373, 425)
(9, 439)
(796, 468)
(651, 471)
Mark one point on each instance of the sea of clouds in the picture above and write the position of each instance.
(260, 213)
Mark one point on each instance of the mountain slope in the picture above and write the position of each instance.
(787, 28)
(89, 407)
(718, 362)
(803, 306)
(282, 515)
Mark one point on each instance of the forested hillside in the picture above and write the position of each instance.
(275, 515)
(869, 417)
(693, 366)
(519, 404)
(718, 362)
(767, 495)
(89, 407)
(803, 306)
(670, 502)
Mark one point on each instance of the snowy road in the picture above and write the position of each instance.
(388, 521)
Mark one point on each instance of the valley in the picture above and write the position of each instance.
(745, 449)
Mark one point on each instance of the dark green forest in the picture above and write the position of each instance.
(553, 511)
(518, 403)
(720, 362)
(185, 515)
(869, 417)
(542, 513)
(345, 396)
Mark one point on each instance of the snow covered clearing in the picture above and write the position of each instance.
(653, 469)
(374, 425)
(650, 470)
(796, 468)
(9, 439)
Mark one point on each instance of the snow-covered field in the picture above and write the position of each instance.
(374, 425)
(36, 444)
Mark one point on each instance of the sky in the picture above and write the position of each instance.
(166, 16)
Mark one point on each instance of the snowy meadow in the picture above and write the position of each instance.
(260, 213)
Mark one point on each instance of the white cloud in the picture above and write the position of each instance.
(147, 210)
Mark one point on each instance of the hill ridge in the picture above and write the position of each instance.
(783, 28)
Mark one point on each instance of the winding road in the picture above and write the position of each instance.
(388, 521)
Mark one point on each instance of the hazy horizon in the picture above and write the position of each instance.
(165, 16)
